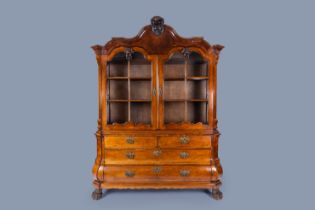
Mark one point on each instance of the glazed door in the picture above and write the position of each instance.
(131, 90)
(184, 85)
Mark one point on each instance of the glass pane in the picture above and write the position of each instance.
(196, 66)
(118, 66)
(174, 67)
(140, 67)
(174, 90)
(174, 112)
(117, 112)
(174, 85)
(197, 112)
(197, 89)
(117, 89)
(140, 90)
(129, 89)
(141, 112)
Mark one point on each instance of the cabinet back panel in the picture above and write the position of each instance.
(197, 112)
(117, 70)
(141, 112)
(117, 112)
(196, 65)
(118, 67)
(174, 90)
(140, 90)
(174, 71)
(195, 70)
(174, 112)
(197, 89)
(118, 89)
(140, 70)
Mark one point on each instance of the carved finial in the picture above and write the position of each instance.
(128, 52)
(157, 24)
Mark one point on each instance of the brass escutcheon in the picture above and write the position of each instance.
(129, 173)
(184, 139)
(130, 140)
(157, 169)
(157, 153)
(184, 172)
(130, 155)
(184, 155)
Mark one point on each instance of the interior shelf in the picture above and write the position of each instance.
(198, 78)
(188, 78)
(188, 100)
(166, 100)
(140, 78)
(174, 100)
(197, 100)
(131, 78)
(141, 100)
(173, 79)
(117, 78)
(117, 100)
(126, 100)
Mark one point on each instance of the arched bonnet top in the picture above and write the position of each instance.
(157, 38)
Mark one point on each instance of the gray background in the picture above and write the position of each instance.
(48, 109)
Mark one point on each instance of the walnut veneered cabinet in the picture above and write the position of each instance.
(157, 126)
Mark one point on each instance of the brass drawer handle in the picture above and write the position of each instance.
(184, 139)
(157, 169)
(130, 140)
(184, 155)
(130, 155)
(184, 172)
(130, 173)
(157, 153)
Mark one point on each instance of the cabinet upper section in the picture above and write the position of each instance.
(157, 39)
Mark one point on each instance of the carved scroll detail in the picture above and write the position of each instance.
(186, 52)
(128, 52)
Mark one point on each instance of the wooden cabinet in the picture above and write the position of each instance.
(157, 125)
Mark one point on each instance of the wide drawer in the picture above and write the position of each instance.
(184, 141)
(116, 142)
(157, 156)
(156, 173)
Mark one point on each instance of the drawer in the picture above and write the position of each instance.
(157, 156)
(116, 142)
(156, 173)
(184, 141)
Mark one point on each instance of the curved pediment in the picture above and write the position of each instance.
(157, 38)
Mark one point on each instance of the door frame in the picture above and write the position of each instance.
(103, 90)
(186, 125)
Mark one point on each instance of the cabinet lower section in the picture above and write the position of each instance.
(158, 161)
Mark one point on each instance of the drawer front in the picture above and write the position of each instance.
(184, 141)
(116, 142)
(156, 173)
(158, 156)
